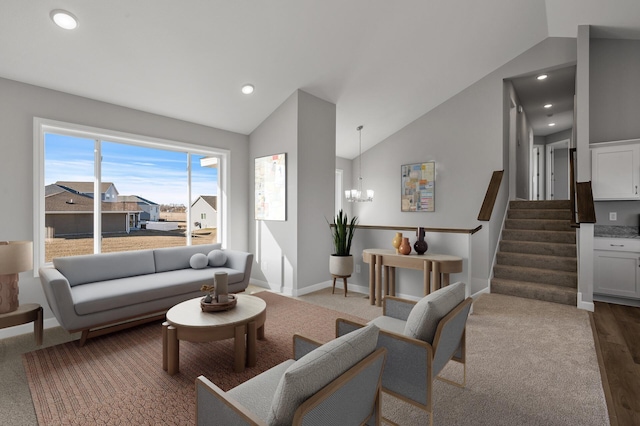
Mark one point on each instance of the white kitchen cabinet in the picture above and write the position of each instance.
(615, 171)
(617, 267)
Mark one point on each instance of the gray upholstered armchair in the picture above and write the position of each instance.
(337, 383)
(421, 338)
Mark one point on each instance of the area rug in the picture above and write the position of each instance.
(118, 378)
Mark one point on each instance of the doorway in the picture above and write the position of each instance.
(557, 178)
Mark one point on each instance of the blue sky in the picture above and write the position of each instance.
(154, 174)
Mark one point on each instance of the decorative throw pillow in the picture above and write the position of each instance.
(217, 258)
(317, 369)
(199, 261)
(426, 314)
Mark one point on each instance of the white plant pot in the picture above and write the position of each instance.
(341, 265)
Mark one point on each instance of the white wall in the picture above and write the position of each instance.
(20, 103)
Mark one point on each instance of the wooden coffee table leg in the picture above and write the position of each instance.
(261, 332)
(165, 325)
(173, 351)
(240, 349)
(251, 344)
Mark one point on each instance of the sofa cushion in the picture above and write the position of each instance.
(317, 369)
(424, 317)
(113, 294)
(172, 258)
(199, 261)
(105, 266)
(217, 258)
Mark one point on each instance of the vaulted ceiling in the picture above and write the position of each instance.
(383, 63)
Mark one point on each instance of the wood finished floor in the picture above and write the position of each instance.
(617, 334)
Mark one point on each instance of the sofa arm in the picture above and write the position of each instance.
(397, 308)
(240, 261)
(215, 407)
(57, 291)
(303, 345)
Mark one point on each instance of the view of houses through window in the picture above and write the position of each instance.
(147, 197)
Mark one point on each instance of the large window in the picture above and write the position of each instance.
(101, 191)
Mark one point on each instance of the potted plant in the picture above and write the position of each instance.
(342, 230)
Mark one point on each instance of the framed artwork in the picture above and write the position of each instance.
(271, 187)
(418, 187)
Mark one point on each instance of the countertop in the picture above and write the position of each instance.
(612, 231)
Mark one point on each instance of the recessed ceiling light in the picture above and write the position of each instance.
(548, 105)
(247, 89)
(64, 19)
(542, 76)
(552, 124)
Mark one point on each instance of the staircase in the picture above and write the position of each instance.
(537, 255)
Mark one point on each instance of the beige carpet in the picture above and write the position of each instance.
(529, 363)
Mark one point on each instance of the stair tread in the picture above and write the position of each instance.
(538, 256)
(526, 269)
(550, 287)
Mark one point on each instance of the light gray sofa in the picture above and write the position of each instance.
(91, 293)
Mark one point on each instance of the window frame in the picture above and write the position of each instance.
(41, 126)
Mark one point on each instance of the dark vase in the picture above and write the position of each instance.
(420, 245)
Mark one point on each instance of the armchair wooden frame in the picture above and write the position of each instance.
(449, 344)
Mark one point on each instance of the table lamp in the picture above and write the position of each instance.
(15, 257)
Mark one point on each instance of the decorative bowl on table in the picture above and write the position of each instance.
(214, 306)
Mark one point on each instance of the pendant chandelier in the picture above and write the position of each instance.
(358, 195)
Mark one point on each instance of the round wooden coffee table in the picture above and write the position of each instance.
(186, 321)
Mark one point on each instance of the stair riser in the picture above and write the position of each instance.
(560, 278)
(538, 294)
(539, 214)
(553, 263)
(536, 236)
(538, 205)
(552, 249)
(538, 225)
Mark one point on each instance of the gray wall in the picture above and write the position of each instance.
(615, 109)
(20, 103)
(464, 136)
(273, 242)
(557, 137)
(293, 254)
(614, 90)
(316, 177)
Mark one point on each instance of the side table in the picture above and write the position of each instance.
(29, 312)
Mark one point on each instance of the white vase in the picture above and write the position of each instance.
(341, 265)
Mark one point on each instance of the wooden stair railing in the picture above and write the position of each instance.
(490, 196)
(581, 196)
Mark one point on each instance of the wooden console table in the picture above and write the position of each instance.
(440, 265)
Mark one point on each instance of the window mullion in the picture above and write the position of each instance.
(97, 197)
(188, 212)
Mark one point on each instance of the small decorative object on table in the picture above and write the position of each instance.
(396, 241)
(420, 245)
(405, 246)
(218, 297)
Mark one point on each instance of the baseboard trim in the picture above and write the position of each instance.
(587, 306)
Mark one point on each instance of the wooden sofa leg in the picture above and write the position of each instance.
(83, 337)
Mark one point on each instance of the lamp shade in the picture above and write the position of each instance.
(15, 256)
